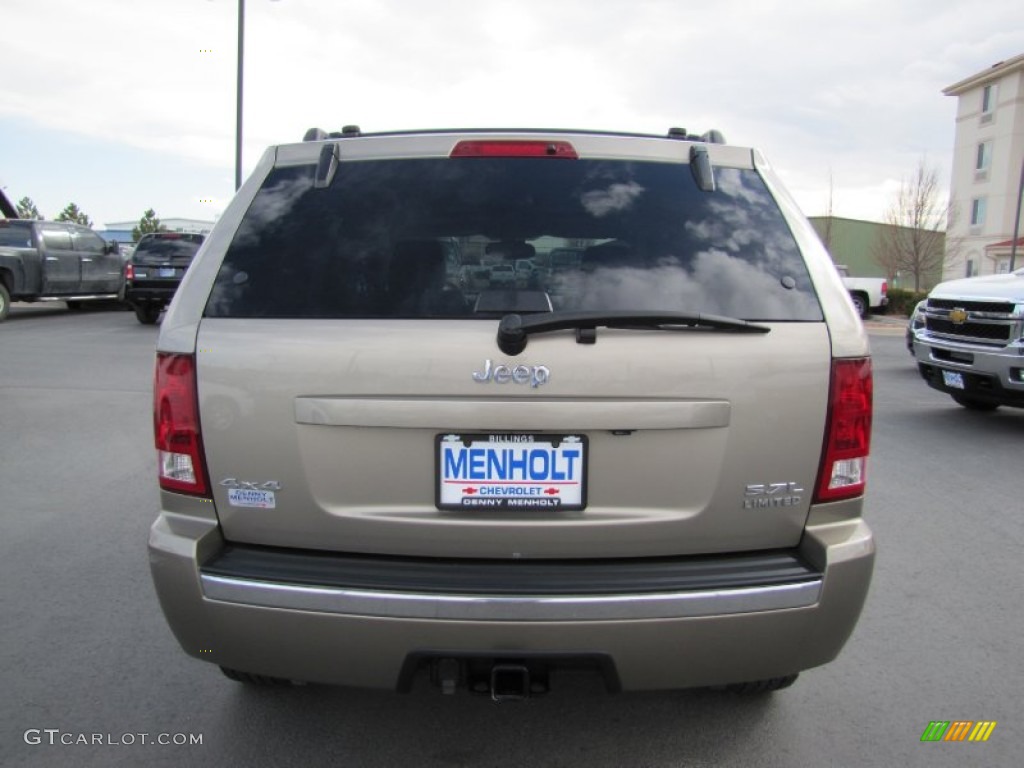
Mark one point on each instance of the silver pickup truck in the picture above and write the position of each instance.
(968, 341)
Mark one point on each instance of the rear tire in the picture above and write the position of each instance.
(74, 306)
(860, 303)
(5, 302)
(982, 406)
(756, 687)
(147, 314)
(250, 679)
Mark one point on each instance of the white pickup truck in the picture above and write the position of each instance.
(969, 340)
(867, 292)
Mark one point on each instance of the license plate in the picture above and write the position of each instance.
(166, 272)
(511, 471)
(953, 380)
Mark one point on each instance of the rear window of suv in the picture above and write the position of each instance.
(172, 246)
(430, 238)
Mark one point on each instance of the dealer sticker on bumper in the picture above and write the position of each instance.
(511, 471)
(243, 497)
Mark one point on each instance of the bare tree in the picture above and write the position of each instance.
(913, 241)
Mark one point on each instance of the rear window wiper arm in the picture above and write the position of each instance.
(514, 330)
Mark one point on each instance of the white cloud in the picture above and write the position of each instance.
(854, 87)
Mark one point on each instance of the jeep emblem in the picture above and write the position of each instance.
(534, 375)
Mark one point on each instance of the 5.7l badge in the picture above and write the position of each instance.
(771, 495)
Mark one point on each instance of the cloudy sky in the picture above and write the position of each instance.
(122, 106)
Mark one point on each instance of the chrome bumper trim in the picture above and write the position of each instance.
(630, 607)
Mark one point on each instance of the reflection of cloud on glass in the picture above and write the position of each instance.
(733, 286)
(617, 197)
(729, 227)
(716, 283)
(270, 204)
(751, 230)
(229, 286)
(730, 182)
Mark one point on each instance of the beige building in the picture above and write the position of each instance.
(988, 168)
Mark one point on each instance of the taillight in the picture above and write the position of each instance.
(847, 431)
(515, 148)
(885, 288)
(129, 271)
(176, 425)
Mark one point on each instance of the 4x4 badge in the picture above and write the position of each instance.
(250, 485)
(534, 375)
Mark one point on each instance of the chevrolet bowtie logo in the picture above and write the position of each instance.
(958, 316)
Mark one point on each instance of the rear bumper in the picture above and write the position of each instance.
(680, 634)
(151, 291)
(503, 591)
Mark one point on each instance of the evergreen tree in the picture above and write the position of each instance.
(73, 213)
(148, 223)
(27, 209)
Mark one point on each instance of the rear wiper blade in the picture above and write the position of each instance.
(514, 330)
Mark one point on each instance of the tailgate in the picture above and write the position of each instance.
(333, 437)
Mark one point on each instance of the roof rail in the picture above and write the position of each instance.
(710, 137)
(319, 134)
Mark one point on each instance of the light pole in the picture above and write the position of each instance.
(1016, 221)
(238, 96)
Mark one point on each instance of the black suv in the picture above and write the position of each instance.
(154, 272)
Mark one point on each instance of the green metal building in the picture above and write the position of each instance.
(856, 244)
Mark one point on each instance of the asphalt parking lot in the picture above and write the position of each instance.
(85, 652)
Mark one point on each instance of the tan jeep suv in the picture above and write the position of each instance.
(649, 462)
